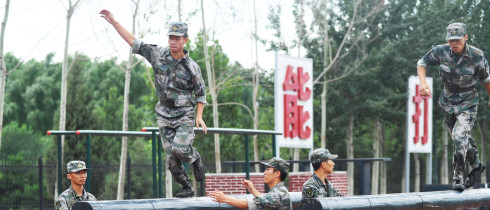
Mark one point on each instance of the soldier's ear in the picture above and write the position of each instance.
(68, 175)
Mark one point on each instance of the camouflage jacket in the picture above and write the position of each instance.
(458, 76)
(276, 198)
(314, 188)
(174, 80)
(69, 197)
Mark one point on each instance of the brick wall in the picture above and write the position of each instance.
(337, 178)
(231, 183)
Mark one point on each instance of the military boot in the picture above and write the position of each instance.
(187, 190)
(457, 185)
(471, 179)
(198, 167)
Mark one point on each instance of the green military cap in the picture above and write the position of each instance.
(277, 163)
(455, 31)
(177, 29)
(76, 165)
(319, 155)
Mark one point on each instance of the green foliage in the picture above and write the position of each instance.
(23, 143)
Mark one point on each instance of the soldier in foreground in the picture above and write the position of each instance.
(318, 185)
(461, 67)
(176, 77)
(77, 174)
(277, 198)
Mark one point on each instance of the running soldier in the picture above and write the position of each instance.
(176, 77)
(461, 67)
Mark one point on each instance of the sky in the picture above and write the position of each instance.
(36, 28)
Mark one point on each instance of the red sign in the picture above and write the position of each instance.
(417, 99)
(294, 116)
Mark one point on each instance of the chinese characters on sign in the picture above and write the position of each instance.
(419, 118)
(417, 99)
(294, 116)
(293, 101)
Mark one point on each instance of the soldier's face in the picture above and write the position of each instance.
(176, 43)
(78, 178)
(329, 165)
(269, 175)
(457, 45)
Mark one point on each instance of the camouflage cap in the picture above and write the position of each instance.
(319, 155)
(177, 29)
(277, 163)
(455, 31)
(76, 165)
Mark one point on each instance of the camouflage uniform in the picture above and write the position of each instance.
(314, 187)
(459, 99)
(175, 80)
(69, 197)
(278, 197)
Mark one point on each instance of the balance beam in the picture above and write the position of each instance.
(169, 203)
(450, 199)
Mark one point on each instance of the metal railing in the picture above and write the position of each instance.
(153, 133)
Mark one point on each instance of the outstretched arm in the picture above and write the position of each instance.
(128, 37)
(220, 197)
(424, 87)
(250, 187)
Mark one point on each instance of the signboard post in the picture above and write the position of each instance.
(419, 127)
(293, 102)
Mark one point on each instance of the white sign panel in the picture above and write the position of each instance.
(293, 101)
(419, 117)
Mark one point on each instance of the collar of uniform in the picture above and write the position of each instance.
(74, 194)
(465, 51)
(186, 55)
(318, 179)
(280, 184)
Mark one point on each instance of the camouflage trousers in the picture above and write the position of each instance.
(177, 136)
(465, 149)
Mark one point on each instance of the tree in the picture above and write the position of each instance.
(3, 67)
(64, 75)
(127, 82)
(212, 90)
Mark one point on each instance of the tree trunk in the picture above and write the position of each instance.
(212, 90)
(417, 172)
(124, 141)
(3, 70)
(483, 134)
(444, 162)
(327, 58)
(376, 145)
(300, 37)
(382, 167)
(168, 181)
(255, 81)
(350, 155)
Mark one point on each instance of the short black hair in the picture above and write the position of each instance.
(283, 174)
(316, 165)
(185, 36)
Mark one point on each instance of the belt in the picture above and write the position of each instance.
(453, 89)
(168, 104)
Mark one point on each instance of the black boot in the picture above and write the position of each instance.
(198, 167)
(457, 185)
(187, 190)
(471, 179)
(178, 172)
